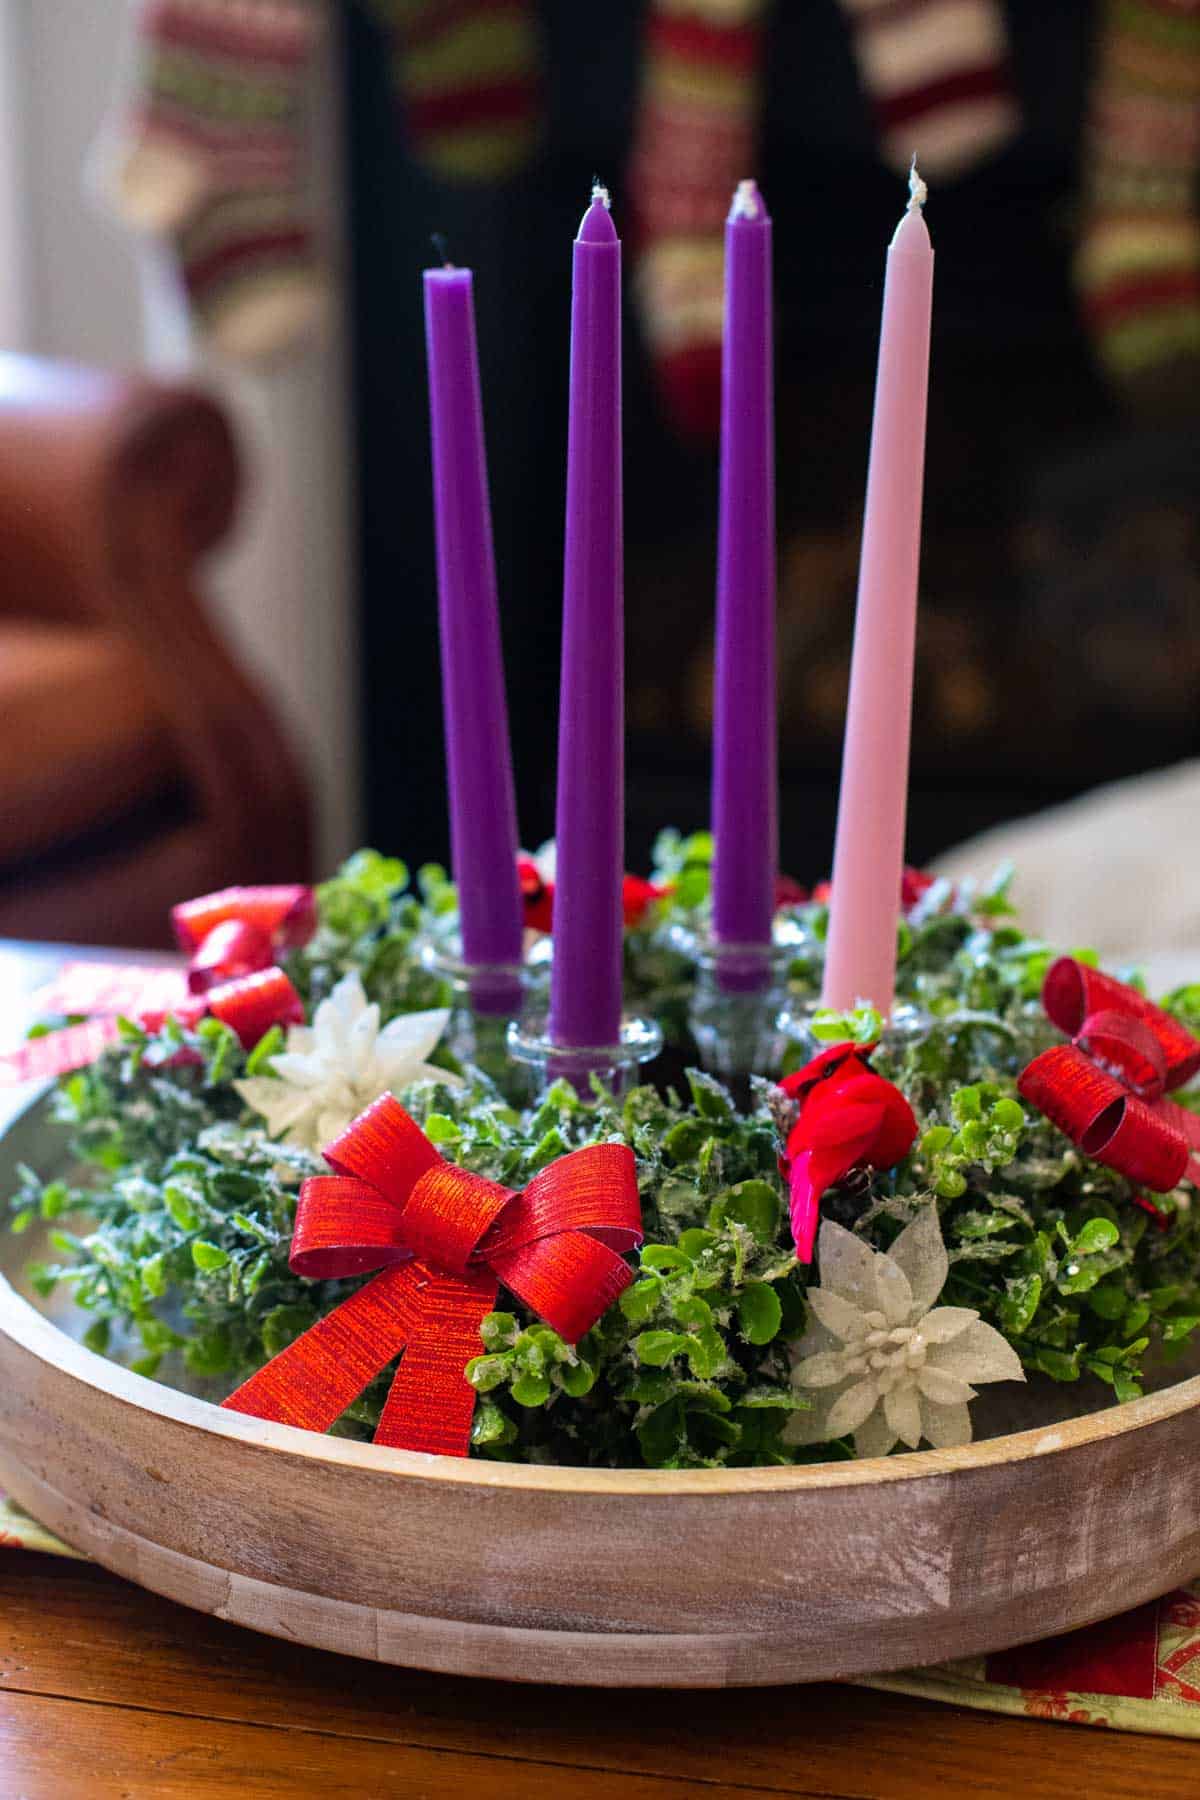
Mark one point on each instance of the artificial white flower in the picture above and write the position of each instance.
(333, 1069)
(877, 1361)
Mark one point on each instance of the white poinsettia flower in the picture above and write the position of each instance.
(330, 1071)
(879, 1359)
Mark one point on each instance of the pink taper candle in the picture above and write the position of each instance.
(868, 856)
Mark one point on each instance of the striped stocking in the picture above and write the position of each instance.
(695, 140)
(936, 72)
(210, 148)
(469, 76)
(1138, 266)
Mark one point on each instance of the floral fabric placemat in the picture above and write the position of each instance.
(1137, 1672)
(19, 1532)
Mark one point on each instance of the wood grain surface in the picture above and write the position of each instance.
(108, 1691)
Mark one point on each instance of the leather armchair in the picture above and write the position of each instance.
(138, 762)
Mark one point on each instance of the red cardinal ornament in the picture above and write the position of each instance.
(849, 1116)
(537, 896)
(788, 892)
(914, 885)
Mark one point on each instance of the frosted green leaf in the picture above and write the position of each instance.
(208, 1257)
(657, 1348)
(1097, 1234)
(759, 1313)
(487, 1372)
(531, 1390)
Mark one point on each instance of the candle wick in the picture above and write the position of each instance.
(441, 248)
(600, 193)
(918, 193)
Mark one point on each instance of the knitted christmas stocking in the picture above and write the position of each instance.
(468, 73)
(210, 148)
(1138, 264)
(252, 269)
(936, 72)
(694, 141)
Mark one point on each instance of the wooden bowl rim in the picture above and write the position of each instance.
(41, 1338)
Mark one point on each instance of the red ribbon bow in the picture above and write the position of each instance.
(848, 1115)
(232, 938)
(1106, 1089)
(444, 1239)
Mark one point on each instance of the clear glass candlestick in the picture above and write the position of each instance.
(737, 1004)
(616, 1065)
(739, 1008)
(486, 998)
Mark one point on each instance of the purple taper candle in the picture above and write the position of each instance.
(745, 751)
(585, 984)
(483, 820)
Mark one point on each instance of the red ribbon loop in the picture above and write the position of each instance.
(230, 950)
(242, 930)
(1105, 1090)
(1127, 1049)
(287, 914)
(254, 1003)
(1073, 993)
(444, 1239)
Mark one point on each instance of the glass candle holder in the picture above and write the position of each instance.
(739, 1007)
(616, 1065)
(486, 998)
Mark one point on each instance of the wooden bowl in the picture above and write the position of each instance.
(611, 1577)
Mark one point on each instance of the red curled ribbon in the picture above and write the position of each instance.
(241, 930)
(1106, 1089)
(232, 938)
(444, 1240)
(849, 1116)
